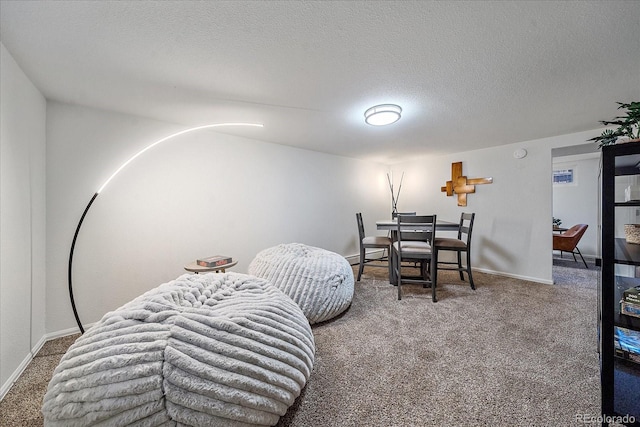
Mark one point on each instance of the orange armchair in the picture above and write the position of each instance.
(568, 241)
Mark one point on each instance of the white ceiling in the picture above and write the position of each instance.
(467, 74)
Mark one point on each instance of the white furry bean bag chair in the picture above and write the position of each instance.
(202, 350)
(319, 281)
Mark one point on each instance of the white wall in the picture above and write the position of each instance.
(512, 232)
(22, 219)
(200, 194)
(577, 203)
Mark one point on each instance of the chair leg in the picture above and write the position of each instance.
(425, 271)
(579, 253)
(469, 271)
(434, 275)
(389, 262)
(361, 267)
(393, 279)
(396, 275)
(460, 265)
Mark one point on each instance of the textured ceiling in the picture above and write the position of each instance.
(467, 74)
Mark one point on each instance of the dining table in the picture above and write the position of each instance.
(392, 225)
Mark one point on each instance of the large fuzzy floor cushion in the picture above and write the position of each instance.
(319, 281)
(203, 350)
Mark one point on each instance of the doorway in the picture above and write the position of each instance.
(576, 174)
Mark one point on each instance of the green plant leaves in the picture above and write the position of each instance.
(628, 126)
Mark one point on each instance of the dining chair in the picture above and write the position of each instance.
(415, 250)
(460, 244)
(371, 242)
(407, 235)
(568, 241)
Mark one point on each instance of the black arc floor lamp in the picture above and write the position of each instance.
(84, 214)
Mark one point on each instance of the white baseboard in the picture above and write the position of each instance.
(514, 276)
(21, 367)
(355, 259)
(65, 332)
(15, 375)
(36, 348)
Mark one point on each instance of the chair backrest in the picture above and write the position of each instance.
(466, 227)
(360, 225)
(394, 215)
(408, 235)
(424, 231)
(568, 240)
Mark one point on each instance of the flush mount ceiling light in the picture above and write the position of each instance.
(381, 115)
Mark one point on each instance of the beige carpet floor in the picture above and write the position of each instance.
(511, 353)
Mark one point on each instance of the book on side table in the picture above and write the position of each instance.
(214, 261)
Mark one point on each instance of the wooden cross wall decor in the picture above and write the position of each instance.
(461, 185)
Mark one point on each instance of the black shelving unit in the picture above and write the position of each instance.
(619, 363)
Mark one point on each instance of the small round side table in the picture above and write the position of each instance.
(195, 268)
